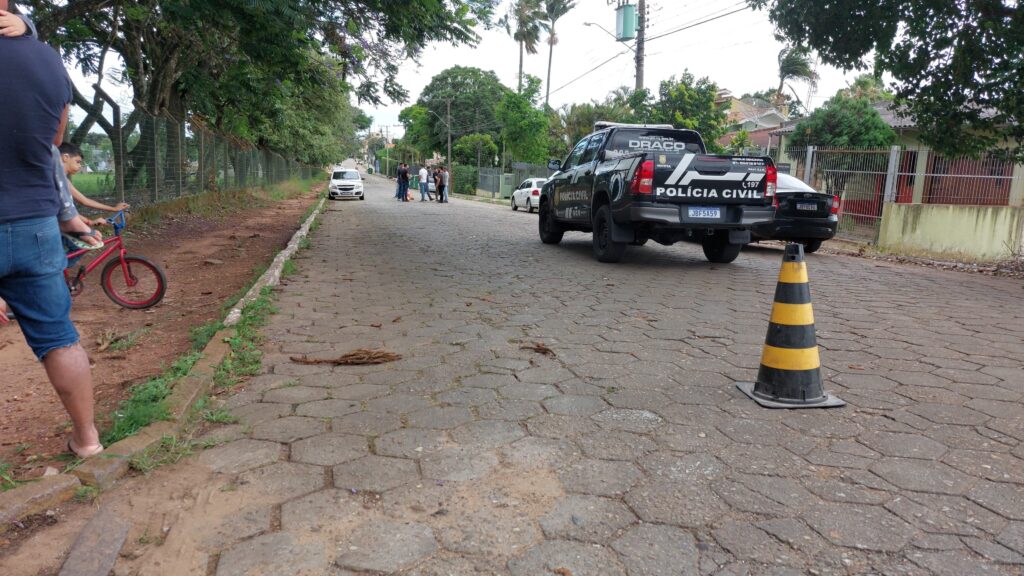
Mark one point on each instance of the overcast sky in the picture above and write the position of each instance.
(737, 51)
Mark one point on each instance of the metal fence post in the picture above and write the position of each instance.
(156, 159)
(890, 174)
(808, 162)
(201, 166)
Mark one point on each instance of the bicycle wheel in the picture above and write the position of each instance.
(140, 285)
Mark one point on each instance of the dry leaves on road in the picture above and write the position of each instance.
(353, 358)
(539, 348)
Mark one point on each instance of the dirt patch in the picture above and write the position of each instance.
(207, 260)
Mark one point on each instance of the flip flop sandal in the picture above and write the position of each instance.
(75, 239)
(94, 451)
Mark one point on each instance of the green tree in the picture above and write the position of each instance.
(525, 22)
(524, 129)
(238, 65)
(795, 65)
(956, 64)
(475, 96)
(870, 88)
(844, 122)
(553, 10)
(690, 103)
(475, 150)
(739, 142)
(418, 124)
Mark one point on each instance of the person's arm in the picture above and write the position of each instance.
(94, 204)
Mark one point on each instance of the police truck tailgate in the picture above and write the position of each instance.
(712, 180)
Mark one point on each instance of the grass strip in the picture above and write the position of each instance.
(246, 357)
(147, 402)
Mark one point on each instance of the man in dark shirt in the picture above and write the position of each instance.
(35, 92)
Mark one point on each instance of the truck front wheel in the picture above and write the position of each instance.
(550, 231)
(717, 248)
(606, 249)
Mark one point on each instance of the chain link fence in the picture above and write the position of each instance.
(145, 160)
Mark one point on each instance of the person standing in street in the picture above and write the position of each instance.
(31, 256)
(446, 179)
(424, 186)
(403, 182)
(398, 183)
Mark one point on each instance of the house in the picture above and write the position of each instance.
(910, 198)
(926, 177)
(755, 115)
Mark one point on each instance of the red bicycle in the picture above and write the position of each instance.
(131, 281)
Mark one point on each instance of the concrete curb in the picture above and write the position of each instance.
(482, 199)
(104, 470)
(273, 274)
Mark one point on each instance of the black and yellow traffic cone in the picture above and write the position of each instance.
(790, 372)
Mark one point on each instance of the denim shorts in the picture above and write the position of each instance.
(32, 261)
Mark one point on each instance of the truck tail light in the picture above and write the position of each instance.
(835, 205)
(643, 179)
(535, 192)
(772, 178)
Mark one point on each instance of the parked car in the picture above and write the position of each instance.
(802, 215)
(345, 183)
(528, 194)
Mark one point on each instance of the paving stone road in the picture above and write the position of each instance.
(631, 452)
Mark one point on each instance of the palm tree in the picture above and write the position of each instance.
(528, 16)
(554, 9)
(795, 64)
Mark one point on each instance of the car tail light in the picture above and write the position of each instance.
(534, 192)
(772, 177)
(835, 205)
(643, 179)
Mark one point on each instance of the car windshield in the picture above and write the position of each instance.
(345, 175)
(653, 140)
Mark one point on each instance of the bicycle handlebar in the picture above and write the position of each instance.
(118, 222)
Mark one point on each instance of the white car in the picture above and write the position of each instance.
(527, 195)
(345, 183)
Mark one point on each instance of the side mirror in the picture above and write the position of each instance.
(554, 165)
(600, 156)
(363, 177)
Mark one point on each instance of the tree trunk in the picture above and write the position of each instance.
(551, 56)
(520, 90)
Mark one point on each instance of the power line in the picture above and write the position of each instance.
(696, 24)
(588, 72)
(687, 19)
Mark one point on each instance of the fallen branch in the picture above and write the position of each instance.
(353, 358)
(539, 348)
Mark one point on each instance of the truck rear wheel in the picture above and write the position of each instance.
(717, 248)
(606, 249)
(811, 246)
(550, 231)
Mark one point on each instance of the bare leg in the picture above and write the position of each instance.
(69, 373)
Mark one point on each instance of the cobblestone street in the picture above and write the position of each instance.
(631, 452)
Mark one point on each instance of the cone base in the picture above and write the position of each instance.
(826, 401)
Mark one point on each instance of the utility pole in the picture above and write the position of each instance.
(641, 32)
(451, 177)
(387, 151)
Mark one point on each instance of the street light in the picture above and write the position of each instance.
(605, 30)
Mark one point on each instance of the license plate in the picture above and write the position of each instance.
(704, 212)
(810, 206)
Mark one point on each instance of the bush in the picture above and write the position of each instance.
(466, 179)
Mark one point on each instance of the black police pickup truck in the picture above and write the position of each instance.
(628, 184)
